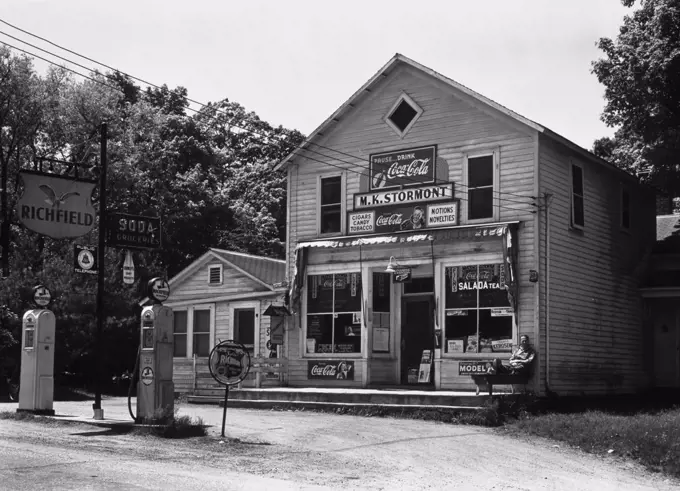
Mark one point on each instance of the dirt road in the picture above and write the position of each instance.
(298, 450)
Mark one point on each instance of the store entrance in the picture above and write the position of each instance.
(417, 334)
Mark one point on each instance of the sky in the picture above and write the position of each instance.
(295, 62)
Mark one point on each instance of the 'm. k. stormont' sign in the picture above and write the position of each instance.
(403, 167)
(56, 206)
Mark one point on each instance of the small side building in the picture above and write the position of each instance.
(223, 295)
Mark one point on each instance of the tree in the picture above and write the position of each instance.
(641, 75)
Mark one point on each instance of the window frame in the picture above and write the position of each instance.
(419, 111)
(343, 203)
(625, 192)
(481, 260)
(190, 328)
(303, 314)
(572, 193)
(465, 205)
(221, 268)
(185, 333)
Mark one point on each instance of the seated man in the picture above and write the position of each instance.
(520, 359)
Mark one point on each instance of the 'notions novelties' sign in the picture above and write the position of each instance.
(56, 206)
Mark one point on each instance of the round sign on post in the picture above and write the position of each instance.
(229, 363)
(159, 290)
(42, 296)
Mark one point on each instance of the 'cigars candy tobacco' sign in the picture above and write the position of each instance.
(403, 167)
(400, 217)
(56, 206)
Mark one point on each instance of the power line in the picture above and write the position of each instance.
(307, 157)
(209, 106)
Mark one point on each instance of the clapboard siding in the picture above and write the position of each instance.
(457, 127)
(383, 371)
(197, 284)
(595, 310)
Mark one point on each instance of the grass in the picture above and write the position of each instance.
(652, 438)
(167, 423)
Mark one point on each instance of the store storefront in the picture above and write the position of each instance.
(408, 308)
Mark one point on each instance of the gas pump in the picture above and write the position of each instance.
(155, 389)
(36, 389)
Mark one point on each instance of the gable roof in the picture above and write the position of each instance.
(401, 59)
(263, 270)
(668, 233)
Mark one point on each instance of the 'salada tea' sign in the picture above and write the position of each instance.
(56, 206)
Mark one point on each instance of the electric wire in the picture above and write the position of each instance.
(267, 137)
(118, 89)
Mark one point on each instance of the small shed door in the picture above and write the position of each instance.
(244, 327)
(666, 346)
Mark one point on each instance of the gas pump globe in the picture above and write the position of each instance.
(155, 390)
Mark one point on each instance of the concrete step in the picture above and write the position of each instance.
(356, 397)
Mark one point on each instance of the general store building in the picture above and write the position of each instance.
(455, 193)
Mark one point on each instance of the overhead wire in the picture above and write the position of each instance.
(300, 149)
(307, 157)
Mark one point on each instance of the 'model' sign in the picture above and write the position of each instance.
(56, 206)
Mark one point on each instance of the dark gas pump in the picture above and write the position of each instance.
(155, 389)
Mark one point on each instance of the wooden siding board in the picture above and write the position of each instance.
(594, 303)
(197, 284)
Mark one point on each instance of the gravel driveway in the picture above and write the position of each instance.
(293, 450)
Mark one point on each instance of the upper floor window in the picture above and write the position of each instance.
(577, 197)
(625, 209)
(330, 212)
(482, 183)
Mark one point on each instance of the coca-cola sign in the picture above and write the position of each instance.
(330, 369)
(403, 167)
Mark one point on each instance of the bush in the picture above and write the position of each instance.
(167, 423)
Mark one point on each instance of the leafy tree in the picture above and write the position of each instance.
(641, 75)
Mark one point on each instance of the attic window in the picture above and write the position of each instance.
(215, 275)
(403, 115)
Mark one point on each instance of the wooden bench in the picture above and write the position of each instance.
(490, 380)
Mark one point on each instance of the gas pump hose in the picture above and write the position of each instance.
(134, 376)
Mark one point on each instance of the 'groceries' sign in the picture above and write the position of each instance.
(403, 167)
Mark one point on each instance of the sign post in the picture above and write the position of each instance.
(229, 364)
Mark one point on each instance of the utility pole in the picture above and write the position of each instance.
(97, 406)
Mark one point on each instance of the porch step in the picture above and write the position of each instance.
(354, 397)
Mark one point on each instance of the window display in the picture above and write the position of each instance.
(478, 314)
(334, 313)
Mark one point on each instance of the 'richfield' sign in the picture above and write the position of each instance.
(403, 167)
(56, 206)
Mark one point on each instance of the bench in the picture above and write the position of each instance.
(490, 380)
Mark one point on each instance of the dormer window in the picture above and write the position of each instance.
(403, 115)
(215, 275)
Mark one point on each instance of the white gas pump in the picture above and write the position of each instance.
(155, 389)
(36, 390)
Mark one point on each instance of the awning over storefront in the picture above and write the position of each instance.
(506, 231)
(440, 234)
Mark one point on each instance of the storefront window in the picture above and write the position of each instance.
(478, 313)
(382, 293)
(334, 313)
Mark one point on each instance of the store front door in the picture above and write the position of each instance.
(417, 334)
